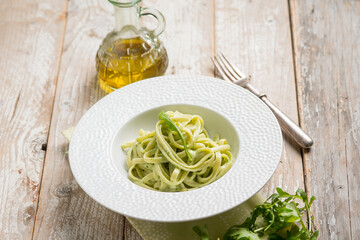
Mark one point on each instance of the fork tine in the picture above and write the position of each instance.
(220, 70)
(224, 69)
(227, 67)
(234, 68)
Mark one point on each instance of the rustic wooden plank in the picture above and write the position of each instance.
(65, 211)
(30, 48)
(130, 232)
(188, 38)
(255, 35)
(327, 40)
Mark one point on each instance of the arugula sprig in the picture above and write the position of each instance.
(172, 126)
(277, 217)
(202, 232)
(280, 217)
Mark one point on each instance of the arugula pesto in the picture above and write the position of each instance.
(164, 160)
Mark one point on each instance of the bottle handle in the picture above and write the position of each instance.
(156, 14)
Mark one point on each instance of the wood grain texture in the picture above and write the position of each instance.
(65, 211)
(130, 232)
(255, 35)
(188, 38)
(327, 40)
(30, 47)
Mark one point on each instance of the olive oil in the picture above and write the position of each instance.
(129, 60)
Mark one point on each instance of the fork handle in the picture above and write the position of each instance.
(288, 126)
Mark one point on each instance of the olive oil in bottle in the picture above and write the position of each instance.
(130, 52)
(128, 61)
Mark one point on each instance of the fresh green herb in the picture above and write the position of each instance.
(202, 232)
(172, 126)
(280, 218)
(236, 232)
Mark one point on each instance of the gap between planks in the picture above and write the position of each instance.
(44, 146)
(298, 102)
(299, 109)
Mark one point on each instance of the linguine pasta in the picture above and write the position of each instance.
(157, 159)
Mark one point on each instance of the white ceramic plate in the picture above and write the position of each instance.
(98, 163)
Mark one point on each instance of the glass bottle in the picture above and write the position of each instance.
(131, 52)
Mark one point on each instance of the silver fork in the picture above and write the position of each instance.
(231, 73)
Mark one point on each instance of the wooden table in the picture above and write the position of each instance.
(304, 54)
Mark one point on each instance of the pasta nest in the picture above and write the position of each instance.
(157, 159)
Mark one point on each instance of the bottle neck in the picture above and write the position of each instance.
(127, 19)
